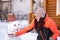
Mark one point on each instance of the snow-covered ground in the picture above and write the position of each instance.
(3, 31)
(27, 36)
(4, 34)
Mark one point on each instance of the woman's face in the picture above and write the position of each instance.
(37, 18)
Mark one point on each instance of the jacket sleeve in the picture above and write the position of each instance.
(25, 29)
(54, 29)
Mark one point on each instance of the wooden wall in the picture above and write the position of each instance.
(51, 11)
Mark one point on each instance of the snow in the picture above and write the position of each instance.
(12, 26)
(15, 26)
(4, 32)
(27, 36)
(58, 38)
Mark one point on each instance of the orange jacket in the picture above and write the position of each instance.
(49, 23)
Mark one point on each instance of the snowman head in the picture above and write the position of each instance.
(11, 17)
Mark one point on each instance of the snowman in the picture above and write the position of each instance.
(12, 26)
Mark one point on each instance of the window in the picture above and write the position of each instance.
(5, 0)
(21, 9)
(58, 8)
(39, 3)
(4, 8)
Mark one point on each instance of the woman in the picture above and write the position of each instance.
(43, 25)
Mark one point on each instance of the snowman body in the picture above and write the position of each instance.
(13, 27)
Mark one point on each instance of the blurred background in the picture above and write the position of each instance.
(24, 10)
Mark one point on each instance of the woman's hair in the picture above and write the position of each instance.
(39, 25)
